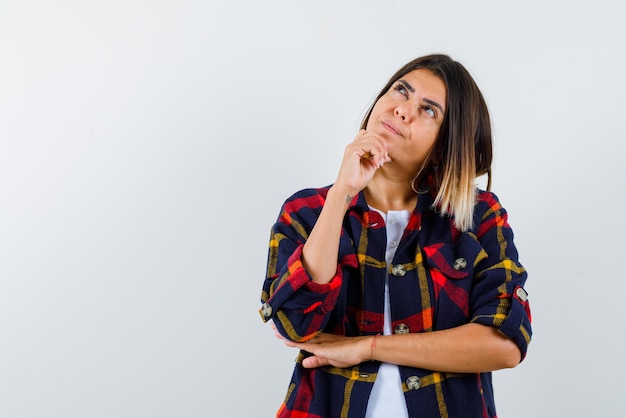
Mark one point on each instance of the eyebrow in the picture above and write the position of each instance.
(430, 102)
(433, 103)
(407, 85)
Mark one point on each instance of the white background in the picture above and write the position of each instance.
(146, 147)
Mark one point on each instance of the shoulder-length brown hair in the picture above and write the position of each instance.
(463, 149)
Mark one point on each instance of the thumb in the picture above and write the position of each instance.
(314, 361)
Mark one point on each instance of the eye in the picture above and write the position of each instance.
(430, 111)
(399, 87)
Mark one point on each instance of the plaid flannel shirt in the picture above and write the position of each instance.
(440, 278)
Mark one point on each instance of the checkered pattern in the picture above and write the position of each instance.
(440, 278)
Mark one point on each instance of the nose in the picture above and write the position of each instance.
(403, 111)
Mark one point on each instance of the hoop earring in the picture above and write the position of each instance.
(418, 176)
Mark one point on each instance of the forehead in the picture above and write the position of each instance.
(427, 85)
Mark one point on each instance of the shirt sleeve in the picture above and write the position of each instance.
(299, 307)
(498, 297)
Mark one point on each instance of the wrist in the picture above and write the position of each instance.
(373, 347)
(343, 194)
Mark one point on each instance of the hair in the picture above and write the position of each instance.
(463, 148)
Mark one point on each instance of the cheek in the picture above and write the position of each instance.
(377, 110)
(428, 134)
(435, 129)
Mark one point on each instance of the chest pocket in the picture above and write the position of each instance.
(456, 261)
(451, 269)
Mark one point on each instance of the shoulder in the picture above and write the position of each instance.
(487, 201)
(310, 198)
(489, 213)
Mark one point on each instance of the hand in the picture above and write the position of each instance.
(362, 157)
(333, 350)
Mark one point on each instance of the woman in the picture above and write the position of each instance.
(400, 283)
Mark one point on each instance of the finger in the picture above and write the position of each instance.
(301, 346)
(276, 333)
(381, 156)
(369, 150)
(314, 361)
(324, 338)
(372, 148)
(377, 155)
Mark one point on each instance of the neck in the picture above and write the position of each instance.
(385, 193)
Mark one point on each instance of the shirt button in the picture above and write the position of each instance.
(398, 270)
(401, 329)
(393, 244)
(460, 263)
(266, 310)
(413, 383)
(521, 294)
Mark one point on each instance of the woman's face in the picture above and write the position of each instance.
(408, 117)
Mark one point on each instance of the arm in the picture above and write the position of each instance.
(469, 348)
(304, 275)
(496, 337)
(320, 251)
(321, 248)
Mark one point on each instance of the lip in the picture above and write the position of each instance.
(391, 128)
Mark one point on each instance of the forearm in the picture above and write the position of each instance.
(470, 348)
(321, 249)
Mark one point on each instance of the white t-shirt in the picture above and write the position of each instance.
(387, 398)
